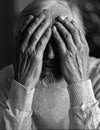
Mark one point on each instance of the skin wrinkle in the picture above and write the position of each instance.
(36, 7)
(51, 86)
(53, 9)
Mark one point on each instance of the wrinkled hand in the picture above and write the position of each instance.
(34, 36)
(73, 50)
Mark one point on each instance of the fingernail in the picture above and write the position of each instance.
(61, 18)
(30, 17)
(41, 15)
(54, 28)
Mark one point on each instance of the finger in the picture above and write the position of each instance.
(79, 32)
(72, 29)
(66, 36)
(20, 30)
(38, 34)
(82, 37)
(21, 27)
(24, 62)
(35, 23)
(84, 42)
(60, 43)
(28, 20)
(44, 40)
(31, 29)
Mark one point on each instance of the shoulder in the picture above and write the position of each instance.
(95, 75)
(6, 73)
(94, 63)
(6, 77)
(94, 67)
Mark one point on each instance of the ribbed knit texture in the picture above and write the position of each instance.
(81, 93)
(14, 117)
(22, 99)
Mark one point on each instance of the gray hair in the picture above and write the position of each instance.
(37, 6)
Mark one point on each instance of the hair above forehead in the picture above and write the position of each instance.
(37, 6)
(48, 3)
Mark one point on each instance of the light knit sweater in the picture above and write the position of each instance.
(52, 107)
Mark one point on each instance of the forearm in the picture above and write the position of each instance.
(84, 112)
(17, 115)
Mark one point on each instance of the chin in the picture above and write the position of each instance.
(51, 73)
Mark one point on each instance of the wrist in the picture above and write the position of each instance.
(25, 83)
(76, 80)
(81, 93)
(20, 97)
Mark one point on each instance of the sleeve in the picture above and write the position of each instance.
(84, 111)
(18, 112)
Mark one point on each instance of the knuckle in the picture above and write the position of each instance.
(41, 16)
(36, 20)
(68, 36)
(74, 31)
(42, 41)
(41, 46)
(43, 24)
(46, 35)
(29, 50)
(28, 32)
(36, 36)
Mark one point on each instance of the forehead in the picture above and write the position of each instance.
(52, 9)
(58, 10)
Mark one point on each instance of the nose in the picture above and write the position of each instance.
(51, 53)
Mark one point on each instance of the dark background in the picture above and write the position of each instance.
(91, 17)
(9, 10)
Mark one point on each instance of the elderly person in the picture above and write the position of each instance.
(53, 83)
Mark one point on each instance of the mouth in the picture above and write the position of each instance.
(51, 67)
(49, 64)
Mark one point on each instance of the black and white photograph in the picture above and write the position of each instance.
(50, 65)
